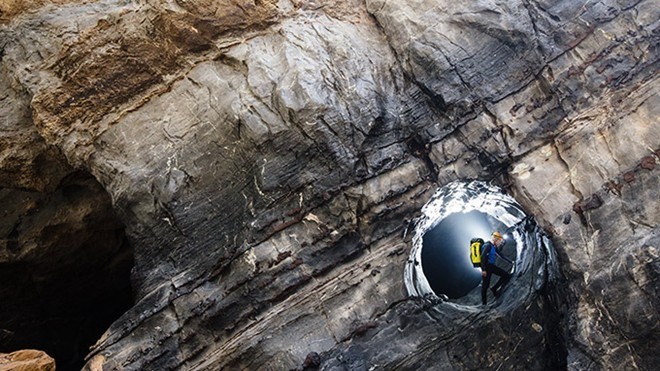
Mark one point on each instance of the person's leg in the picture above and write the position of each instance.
(504, 278)
(485, 282)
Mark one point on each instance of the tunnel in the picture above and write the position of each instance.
(439, 265)
(445, 263)
(66, 271)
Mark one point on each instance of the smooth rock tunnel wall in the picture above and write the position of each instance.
(447, 268)
(523, 323)
(522, 330)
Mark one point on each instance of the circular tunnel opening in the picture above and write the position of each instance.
(445, 259)
(65, 269)
(440, 263)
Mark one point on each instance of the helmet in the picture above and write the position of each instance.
(497, 235)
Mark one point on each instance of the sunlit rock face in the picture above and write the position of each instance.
(32, 360)
(269, 161)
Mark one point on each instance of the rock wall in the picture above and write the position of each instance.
(267, 159)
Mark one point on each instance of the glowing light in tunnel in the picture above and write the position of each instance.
(455, 214)
(445, 259)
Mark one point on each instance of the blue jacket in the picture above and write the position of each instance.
(488, 254)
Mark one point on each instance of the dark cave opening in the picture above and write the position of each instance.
(445, 252)
(67, 277)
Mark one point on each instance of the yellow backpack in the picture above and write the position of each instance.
(475, 251)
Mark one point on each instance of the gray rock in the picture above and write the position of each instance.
(267, 157)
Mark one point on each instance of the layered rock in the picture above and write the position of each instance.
(267, 159)
(27, 360)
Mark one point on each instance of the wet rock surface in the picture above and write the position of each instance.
(268, 161)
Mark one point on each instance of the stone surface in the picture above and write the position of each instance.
(27, 161)
(268, 160)
(26, 360)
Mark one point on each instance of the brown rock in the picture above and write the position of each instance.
(312, 361)
(26, 360)
(591, 203)
(648, 162)
(629, 177)
(11, 9)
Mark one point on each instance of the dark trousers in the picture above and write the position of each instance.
(490, 270)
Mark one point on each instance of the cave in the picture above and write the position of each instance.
(445, 262)
(271, 162)
(440, 266)
(66, 276)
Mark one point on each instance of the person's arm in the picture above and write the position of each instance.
(484, 258)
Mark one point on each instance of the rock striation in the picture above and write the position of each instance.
(27, 360)
(266, 161)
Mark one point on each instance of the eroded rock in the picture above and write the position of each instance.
(27, 360)
(261, 154)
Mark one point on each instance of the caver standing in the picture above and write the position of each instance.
(488, 267)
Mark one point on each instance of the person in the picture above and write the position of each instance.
(488, 267)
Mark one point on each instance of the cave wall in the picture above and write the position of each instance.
(65, 267)
(267, 159)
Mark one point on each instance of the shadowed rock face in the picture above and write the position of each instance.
(268, 160)
(65, 266)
